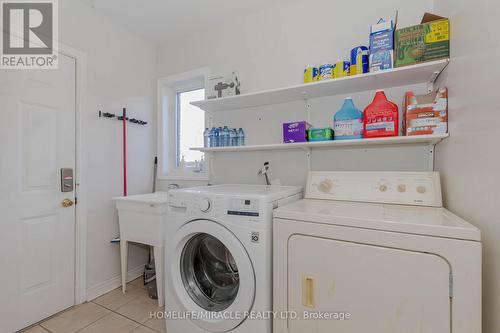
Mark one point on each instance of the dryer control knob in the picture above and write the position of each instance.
(326, 186)
(205, 205)
(421, 189)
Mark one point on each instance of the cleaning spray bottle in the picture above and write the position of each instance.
(381, 117)
(348, 122)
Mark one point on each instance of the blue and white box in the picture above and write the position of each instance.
(382, 45)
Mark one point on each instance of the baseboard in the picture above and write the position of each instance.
(113, 283)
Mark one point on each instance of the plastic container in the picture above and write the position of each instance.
(360, 60)
(311, 74)
(381, 117)
(341, 69)
(320, 134)
(233, 136)
(326, 71)
(241, 137)
(206, 138)
(348, 122)
(211, 136)
(226, 141)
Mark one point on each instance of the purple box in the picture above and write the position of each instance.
(295, 132)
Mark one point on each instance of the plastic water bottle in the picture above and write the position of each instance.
(219, 137)
(206, 137)
(241, 137)
(233, 137)
(216, 137)
(225, 136)
(211, 141)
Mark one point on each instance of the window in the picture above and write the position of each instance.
(190, 127)
(181, 126)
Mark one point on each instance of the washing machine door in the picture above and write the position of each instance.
(212, 275)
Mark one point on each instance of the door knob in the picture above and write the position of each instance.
(67, 203)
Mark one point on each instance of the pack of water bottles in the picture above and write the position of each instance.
(223, 137)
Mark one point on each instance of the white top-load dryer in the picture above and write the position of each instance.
(219, 257)
(375, 252)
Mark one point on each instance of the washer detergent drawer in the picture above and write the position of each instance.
(384, 290)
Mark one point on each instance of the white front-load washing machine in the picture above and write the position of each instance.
(218, 256)
(375, 252)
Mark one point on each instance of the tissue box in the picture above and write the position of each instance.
(426, 114)
(219, 86)
(295, 132)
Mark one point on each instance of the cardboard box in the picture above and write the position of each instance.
(382, 45)
(295, 132)
(427, 41)
(219, 86)
(426, 114)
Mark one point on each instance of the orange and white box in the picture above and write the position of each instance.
(426, 114)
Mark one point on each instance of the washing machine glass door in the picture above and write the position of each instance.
(213, 275)
(209, 272)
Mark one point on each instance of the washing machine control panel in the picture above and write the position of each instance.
(243, 207)
(409, 188)
(238, 209)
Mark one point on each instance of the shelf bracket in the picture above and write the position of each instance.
(308, 157)
(308, 106)
(432, 80)
(431, 149)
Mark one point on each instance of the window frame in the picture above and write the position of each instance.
(168, 90)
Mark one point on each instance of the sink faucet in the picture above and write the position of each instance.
(264, 171)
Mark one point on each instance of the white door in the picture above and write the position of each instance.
(209, 270)
(37, 234)
(384, 290)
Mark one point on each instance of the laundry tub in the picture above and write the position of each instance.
(141, 219)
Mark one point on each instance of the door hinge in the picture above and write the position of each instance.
(451, 285)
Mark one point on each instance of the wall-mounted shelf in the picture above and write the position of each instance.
(415, 74)
(391, 141)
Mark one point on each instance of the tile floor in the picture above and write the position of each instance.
(113, 312)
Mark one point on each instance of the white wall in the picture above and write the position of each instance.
(269, 49)
(470, 160)
(121, 72)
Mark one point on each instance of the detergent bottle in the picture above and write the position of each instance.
(348, 122)
(381, 117)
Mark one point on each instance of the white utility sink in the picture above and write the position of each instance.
(142, 218)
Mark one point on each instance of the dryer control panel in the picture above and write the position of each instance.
(406, 188)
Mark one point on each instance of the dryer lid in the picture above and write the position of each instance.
(429, 221)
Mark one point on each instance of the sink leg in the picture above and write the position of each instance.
(160, 281)
(124, 262)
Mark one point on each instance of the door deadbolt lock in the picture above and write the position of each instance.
(67, 203)
(67, 180)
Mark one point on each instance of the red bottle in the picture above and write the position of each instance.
(381, 117)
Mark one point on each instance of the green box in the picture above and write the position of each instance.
(427, 41)
(320, 134)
